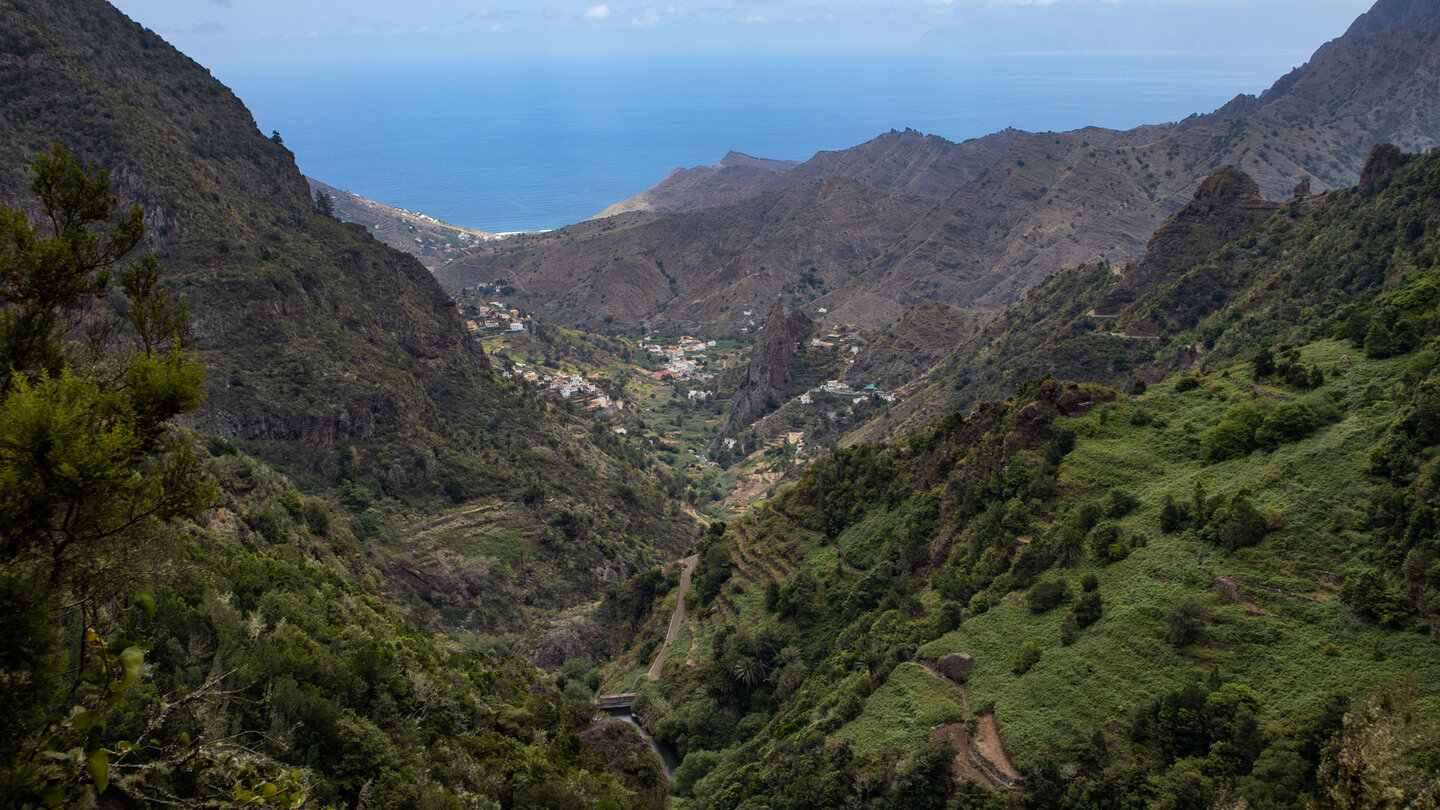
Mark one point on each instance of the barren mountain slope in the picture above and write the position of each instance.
(1051, 201)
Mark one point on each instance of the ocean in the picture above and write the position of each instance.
(516, 146)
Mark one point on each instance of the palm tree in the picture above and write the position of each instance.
(748, 671)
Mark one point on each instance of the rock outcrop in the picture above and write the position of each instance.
(955, 666)
(766, 378)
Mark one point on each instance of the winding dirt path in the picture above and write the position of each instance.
(980, 756)
(677, 618)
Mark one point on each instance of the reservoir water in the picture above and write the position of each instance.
(510, 145)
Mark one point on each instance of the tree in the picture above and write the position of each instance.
(324, 203)
(1264, 361)
(1235, 434)
(92, 472)
(1185, 622)
(1366, 765)
(1173, 515)
(1046, 594)
(1236, 524)
(1290, 421)
(1027, 658)
(48, 283)
(1087, 609)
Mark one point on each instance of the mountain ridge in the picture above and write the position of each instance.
(1051, 200)
(335, 359)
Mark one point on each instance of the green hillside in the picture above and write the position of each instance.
(178, 624)
(1217, 588)
(330, 356)
(1209, 291)
(274, 533)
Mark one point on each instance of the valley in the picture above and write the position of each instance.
(1048, 470)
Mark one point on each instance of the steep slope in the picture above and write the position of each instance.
(736, 177)
(429, 240)
(766, 379)
(318, 338)
(1054, 200)
(1225, 207)
(923, 165)
(699, 268)
(1221, 589)
(331, 356)
(909, 347)
(1209, 291)
(1069, 199)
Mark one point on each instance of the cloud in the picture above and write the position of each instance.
(599, 12)
(754, 18)
(649, 19)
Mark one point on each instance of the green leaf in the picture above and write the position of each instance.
(145, 600)
(83, 720)
(99, 768)
(131, 660)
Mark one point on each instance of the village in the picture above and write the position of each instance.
(683, 359)
(662, 391)
(567, 386)
(493, 317)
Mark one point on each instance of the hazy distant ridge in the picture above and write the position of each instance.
(1024, 207)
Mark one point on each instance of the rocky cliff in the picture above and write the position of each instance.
(766, 380)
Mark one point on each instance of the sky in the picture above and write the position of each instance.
(276, 35)
(525, 114)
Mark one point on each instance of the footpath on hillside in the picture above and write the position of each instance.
(677, 618)
(979, 755)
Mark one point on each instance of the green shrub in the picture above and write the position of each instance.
(1046, 594)
(1234, 435)
(1087, 609)
(696, 766)
(1289, 422)
(1236, 524)
(355, 497)
(1187, 384)
(1120, 503)
(1028, 657)
(1370, 595)
(1185, 622)
(1264, 361)
(1068, 630)
(1173, 515)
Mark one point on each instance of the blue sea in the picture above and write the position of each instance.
(513, 146)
